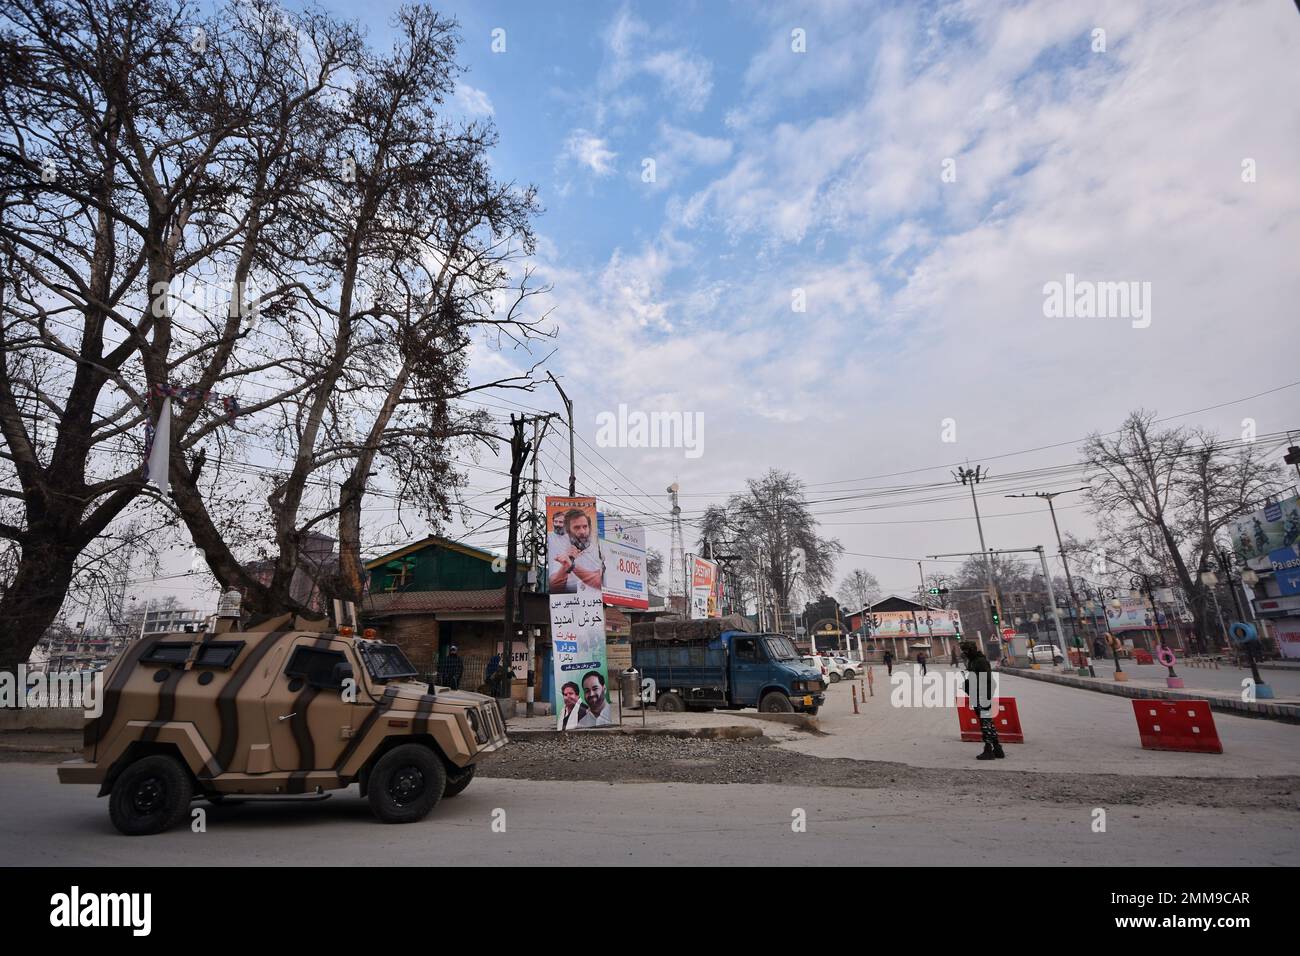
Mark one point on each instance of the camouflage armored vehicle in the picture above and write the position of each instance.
(284, 709)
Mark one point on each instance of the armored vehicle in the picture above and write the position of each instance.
(287, 710)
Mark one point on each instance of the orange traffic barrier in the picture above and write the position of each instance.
(1184, 725)
(1005, 717)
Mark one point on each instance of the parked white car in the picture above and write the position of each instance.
(1046, 654)
(849, 667)
(834, 668)
(819, 662)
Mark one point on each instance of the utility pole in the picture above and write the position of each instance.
(1069, 579)
(519, 449)
(973, 477)
(568, 407)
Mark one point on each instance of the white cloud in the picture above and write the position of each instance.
(473, 100)
(686, 78)
(590, 151)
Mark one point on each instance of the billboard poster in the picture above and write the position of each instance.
(1268, 530)
(1132, 614)
(704, 588)
(623, 547)
(936, 622)
(1285, 563)
(581, 669)
(573, 555)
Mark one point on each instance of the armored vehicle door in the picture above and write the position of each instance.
(314, 703)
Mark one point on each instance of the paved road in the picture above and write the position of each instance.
(1066, 730)
(555, 824)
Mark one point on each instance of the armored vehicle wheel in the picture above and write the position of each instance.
(670, 703)
(150, 796)
(406, 784)
(776, 703)
(458, 781)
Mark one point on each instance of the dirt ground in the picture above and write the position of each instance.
(644, 759)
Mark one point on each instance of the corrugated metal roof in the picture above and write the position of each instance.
(428, 602)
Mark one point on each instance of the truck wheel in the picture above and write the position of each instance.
(776, 703)
(150, 796)
(458, 781)
(406, 784)
(670, 703)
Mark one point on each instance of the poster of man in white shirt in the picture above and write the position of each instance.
(574, 560)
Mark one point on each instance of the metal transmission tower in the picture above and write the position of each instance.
(676, 553)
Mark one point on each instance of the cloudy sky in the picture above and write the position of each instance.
(913, 175)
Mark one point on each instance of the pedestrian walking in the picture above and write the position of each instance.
(453, 669)
(922, 658)
(979, 691)
(889, 662)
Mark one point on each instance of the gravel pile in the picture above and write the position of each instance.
(649, 759)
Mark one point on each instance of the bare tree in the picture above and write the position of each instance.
(398, 249)
(775, 534)
(1163, 496)
(858, 589)
(128, 132)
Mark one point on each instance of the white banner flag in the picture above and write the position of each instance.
(160, 453)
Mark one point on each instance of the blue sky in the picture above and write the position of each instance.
(821, 171)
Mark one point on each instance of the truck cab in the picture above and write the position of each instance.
(703, 665)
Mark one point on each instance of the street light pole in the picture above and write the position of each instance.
(1069, 580)
(568, 407)
(1225, 565)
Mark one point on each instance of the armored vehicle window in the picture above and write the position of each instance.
(219, 654)
(316, 666)
(167, 653)
(386, 661)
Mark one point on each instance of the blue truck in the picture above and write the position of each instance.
(718, 664)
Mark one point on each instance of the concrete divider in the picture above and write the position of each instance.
(42, 718)
(1223, 703)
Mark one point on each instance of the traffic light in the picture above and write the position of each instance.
(997, 621)
(938, 590)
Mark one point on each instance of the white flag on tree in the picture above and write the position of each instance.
(160, 452)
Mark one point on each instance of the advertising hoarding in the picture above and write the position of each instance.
(623, 548)
(703, 575)
(581, 670)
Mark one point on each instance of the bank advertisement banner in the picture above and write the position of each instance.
(1285, 563)
(581, 669)
(573, 556)
(623, 547)
(1268, 530)
(703, 576)
(936, 622)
